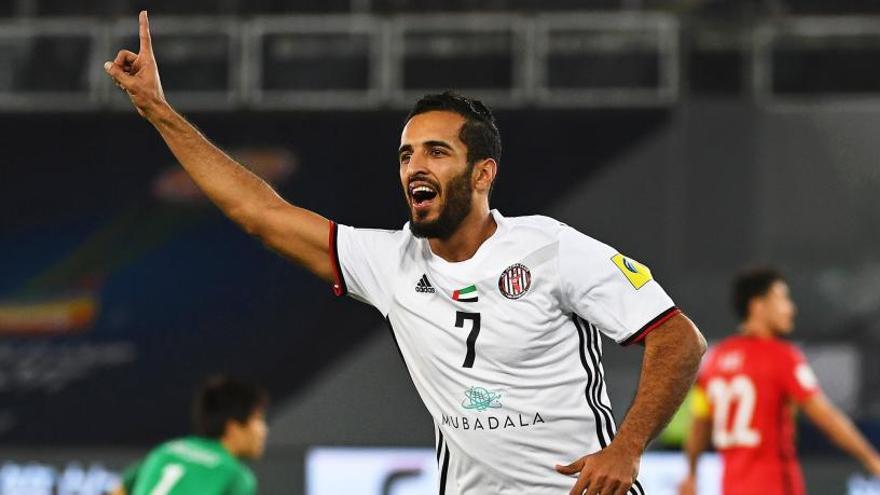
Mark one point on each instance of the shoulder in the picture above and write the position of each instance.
(726, 346)
(729, 342)
(397, 235)
(543, 228)
(788, 351)
(242, 477)
(241, 470)
(537, 223)
(160, 454)
(369, 238)
(168, 446)
(374, 233)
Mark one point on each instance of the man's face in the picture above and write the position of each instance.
(435, 174)
(776, 308)
(252, 435)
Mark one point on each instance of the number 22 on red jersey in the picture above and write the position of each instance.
(733, 403)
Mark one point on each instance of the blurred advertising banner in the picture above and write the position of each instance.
(371, 471)
(859, 485)
(44, 479)
(413, 471)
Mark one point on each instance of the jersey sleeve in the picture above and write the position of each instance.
(798, 380)
(366, 262)
(615, 293)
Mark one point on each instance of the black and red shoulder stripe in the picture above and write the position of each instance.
(651, 326)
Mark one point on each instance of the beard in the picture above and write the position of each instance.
(456, 207)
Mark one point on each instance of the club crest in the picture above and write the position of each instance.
(515, 281)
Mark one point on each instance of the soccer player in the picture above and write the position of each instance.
(497, 319)
(229, 418)
(746, 394)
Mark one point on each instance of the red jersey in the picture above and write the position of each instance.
(752, 385)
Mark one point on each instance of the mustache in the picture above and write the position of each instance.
(419, 178)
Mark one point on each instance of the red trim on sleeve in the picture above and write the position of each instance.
(339, 288)
(651, 326)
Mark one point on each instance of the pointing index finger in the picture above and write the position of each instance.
(146, 42)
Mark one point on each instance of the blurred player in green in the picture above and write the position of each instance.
(230, 425)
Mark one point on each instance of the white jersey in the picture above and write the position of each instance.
(504, 348)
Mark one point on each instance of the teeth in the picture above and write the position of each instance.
(422, 189)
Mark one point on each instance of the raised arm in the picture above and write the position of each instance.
(296, 233)
(841, 431)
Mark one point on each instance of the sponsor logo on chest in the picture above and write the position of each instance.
(480, 400)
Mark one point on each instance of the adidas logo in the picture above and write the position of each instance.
(424, 286)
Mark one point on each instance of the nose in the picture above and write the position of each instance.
(418, 163)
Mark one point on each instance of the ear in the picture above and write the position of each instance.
(484, 174)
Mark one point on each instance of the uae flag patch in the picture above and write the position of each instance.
(468, 294)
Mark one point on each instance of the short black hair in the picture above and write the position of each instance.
(222, 399)
(751, 283)
(479, 132)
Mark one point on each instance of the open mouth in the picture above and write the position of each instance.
(422, 195)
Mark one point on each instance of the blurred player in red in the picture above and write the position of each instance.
(746, 394)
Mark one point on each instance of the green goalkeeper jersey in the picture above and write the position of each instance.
(190, 466)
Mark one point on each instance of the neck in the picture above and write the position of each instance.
(229, 445)
(470, 235)
(752, 328)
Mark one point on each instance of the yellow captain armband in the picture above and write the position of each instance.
(700, 408)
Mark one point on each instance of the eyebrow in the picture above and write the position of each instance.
(431, 143)
(442, 144)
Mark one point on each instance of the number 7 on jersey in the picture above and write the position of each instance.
(460, 317)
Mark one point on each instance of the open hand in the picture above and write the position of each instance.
(137, 73)
(610, 471)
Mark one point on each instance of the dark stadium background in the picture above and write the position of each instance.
(696, 136)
